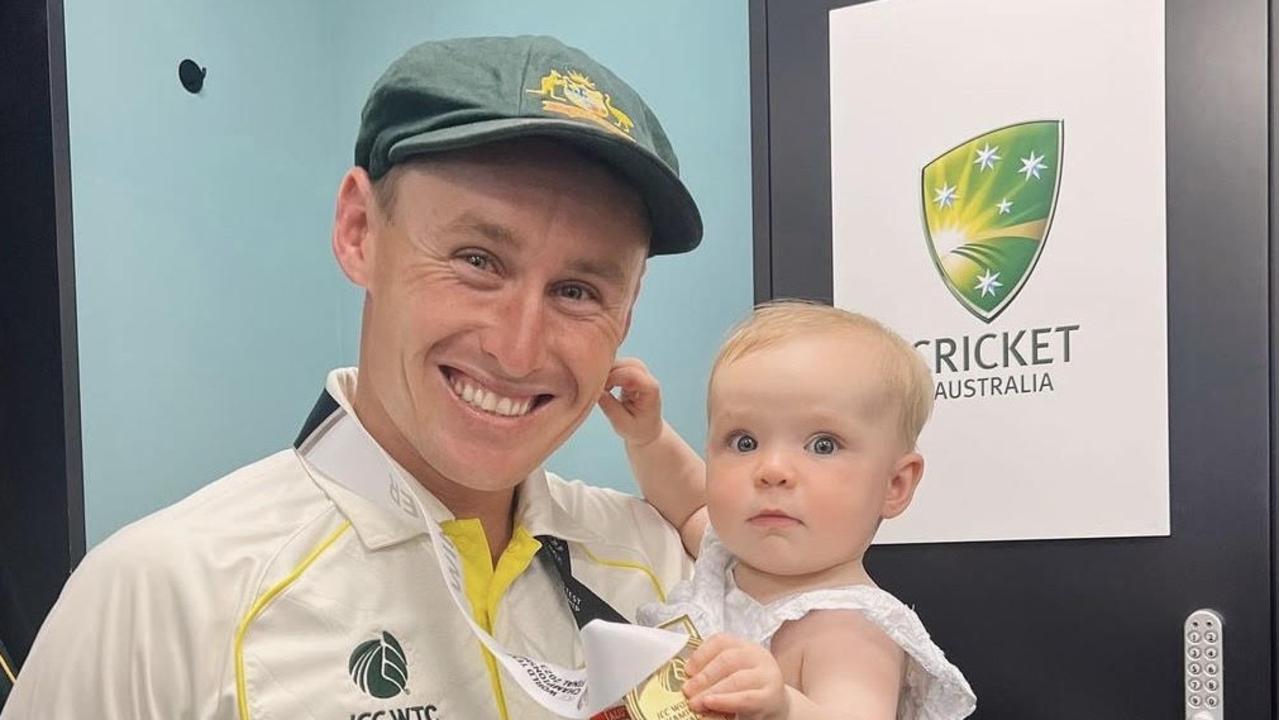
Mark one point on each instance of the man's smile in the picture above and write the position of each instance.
(485, 398)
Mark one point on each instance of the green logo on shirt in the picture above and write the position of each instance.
(379, 667)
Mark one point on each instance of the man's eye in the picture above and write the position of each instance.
(743, 443)
(478, 261)
(823, 445)
(575, 292)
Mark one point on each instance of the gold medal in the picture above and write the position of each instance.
(661, 696)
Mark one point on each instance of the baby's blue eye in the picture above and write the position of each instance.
(823, 445)
(743, 443)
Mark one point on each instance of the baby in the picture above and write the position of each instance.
(814, 413)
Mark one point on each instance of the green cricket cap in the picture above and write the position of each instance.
(451, 94)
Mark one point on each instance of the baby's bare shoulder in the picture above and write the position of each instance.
(848, 665)
(826, 632)
(817, 624)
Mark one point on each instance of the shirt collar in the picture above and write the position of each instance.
(536, 509)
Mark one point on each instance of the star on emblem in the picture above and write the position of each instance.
(988, 283)
(945, 196)
(986, 157)
(1032, 165)
(1005, 207)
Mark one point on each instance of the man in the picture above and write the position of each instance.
(506, 194)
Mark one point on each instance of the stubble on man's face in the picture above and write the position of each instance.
(503, 285)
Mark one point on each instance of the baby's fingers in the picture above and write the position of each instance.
(736, 681)
(729, 658)
(613, 409)
(708, 650)
(630, 362)
(745, 702)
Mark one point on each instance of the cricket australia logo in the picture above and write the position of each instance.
(379, 667)
(988, 204)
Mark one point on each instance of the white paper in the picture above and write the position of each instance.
(912, 79)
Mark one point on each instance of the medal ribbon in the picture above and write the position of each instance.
(618, 655)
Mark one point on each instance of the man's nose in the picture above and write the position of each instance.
(516, 336)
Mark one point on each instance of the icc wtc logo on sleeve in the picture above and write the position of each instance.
(988, 204)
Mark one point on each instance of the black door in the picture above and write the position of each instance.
(1092, 628)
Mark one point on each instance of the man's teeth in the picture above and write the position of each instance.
(489, 401)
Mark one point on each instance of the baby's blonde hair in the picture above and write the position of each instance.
(910, 384)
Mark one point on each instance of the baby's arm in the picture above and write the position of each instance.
(670, 474)
(850, 670)
(850, 667)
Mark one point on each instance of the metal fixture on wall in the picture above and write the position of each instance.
(191, 75)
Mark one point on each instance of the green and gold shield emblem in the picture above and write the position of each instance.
(988, 204)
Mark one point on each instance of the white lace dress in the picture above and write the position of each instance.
(934, 689)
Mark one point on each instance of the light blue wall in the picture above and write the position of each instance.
(209, 305)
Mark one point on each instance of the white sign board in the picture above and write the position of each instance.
(997, 180)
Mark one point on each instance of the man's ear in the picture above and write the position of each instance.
(353, 222)
(901, 487)
(630, 311)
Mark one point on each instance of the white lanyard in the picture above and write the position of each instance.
(618, 656)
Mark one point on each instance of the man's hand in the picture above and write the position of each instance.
(637, 415)
(730, 675)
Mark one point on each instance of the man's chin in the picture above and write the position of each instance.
(481, 474)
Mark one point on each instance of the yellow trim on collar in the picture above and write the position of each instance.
(629, 565)
(485, 585)
(241, 692)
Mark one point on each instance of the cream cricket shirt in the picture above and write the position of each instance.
(276, 593)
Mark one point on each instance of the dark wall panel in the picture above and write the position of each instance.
(41, 506)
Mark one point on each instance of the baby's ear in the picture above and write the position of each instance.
(901, 487)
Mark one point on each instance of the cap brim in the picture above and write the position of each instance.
(677, 225)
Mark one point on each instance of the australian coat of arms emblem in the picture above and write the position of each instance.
(574, 95)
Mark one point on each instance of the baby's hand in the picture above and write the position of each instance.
(637, 416)
(730, 675)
